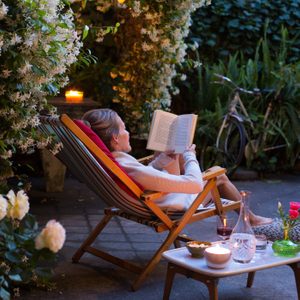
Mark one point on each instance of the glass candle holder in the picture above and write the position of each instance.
(224, 226)
(74, 96)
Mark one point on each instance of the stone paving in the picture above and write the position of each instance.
(78, 209)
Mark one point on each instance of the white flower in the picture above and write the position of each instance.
(183, 77)
(165, 43)
(18, 205)
(146, 47)
(35, 121)
(3, 11)
(176, 91)
(6, 155)
(52, 237)
(3, 207)
(57, 148)
(15, 39)
(6, 73)
(25, 68)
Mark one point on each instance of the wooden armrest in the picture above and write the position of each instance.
(209, 174)
(146, 159)
(150, 195)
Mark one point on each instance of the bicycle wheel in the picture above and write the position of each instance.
(232, 144)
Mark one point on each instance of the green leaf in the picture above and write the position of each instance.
(11, 245)
(85, 32)
(16, 278)
(4, 294)
(83, 4)
(44, 272)
(13, 257)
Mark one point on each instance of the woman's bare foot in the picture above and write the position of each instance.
(258, 220)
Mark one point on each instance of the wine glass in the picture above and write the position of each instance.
(224, 227)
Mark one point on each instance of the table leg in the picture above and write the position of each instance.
(210, 282)
(250, 279)
(296, 268)
(169, 281)
(212, 285)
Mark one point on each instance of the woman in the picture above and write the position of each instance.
(163, 173)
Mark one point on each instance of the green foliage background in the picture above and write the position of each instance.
(227, 26)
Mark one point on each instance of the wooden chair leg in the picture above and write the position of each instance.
(296, 268)
(156, 258)
(169, 281)
(90, 239)
(250, 279)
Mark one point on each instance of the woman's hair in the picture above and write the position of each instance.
(104, 122)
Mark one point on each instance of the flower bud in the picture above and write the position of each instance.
(295, 205)
(293, 214)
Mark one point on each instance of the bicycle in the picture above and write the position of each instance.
(234, 140)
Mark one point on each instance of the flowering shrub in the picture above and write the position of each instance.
(24, 252)
(38, 43)
(150, 43)
(292, 219)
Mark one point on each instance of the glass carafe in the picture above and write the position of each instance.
(242, 240)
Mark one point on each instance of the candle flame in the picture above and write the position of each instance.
(225, 222)
(73, 93)
(243, 193)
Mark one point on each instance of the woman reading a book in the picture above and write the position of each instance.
(178, 177)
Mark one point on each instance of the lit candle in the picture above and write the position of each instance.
(217, 257)
(74, 96)
(224, 227)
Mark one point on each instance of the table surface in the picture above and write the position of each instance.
(260, 261)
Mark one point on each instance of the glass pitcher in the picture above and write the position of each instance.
(242, 240)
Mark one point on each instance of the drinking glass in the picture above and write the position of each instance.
(261, 242)
(224, 226)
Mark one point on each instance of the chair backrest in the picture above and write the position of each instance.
(88, 163)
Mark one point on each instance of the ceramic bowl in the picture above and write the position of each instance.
(197, 248)
(217, 257)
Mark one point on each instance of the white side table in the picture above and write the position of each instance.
(180, 261)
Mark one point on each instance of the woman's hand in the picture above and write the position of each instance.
(191, 148)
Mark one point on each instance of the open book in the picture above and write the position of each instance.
(171, 132)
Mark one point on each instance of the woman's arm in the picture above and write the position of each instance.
(153, 179)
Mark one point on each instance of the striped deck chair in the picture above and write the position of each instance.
(92, 166)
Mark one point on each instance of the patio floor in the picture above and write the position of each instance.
(78, 209)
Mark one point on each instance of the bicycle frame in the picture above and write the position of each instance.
(233, 113)
(235, 140)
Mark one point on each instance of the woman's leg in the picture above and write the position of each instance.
(229, 191)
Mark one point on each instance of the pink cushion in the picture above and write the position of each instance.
(97, 140)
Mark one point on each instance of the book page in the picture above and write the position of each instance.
(161, 131)
(185, 130)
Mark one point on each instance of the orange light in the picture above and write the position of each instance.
(74, 96)
(225, 222)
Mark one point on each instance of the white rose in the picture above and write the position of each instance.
(3, 207)
(52, 236)
(18, 205)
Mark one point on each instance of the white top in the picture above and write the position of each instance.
(260, 261)
(180, 190)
